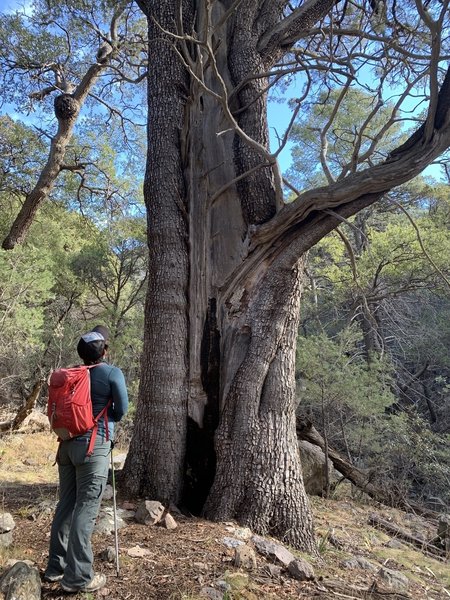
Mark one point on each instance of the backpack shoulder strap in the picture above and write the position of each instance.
(102, 413)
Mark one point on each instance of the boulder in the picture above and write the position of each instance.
(36, 421)
(21, 582)
(313, 466)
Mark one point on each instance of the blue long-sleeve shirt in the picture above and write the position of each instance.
(108, 382)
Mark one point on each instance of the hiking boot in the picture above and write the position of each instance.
(53, 578)
(97, 582)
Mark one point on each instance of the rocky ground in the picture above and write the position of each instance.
(197, 559)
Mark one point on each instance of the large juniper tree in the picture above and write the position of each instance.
(216, 415)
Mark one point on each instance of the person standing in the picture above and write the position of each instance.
(82, 477)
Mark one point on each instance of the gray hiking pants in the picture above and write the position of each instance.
(82, 480)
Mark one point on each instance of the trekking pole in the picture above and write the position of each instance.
(116, 534)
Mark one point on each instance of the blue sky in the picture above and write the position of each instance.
(279, 116)
(10, 5)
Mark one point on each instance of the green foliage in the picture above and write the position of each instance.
(413, 456)
(347, 398)
(333, 374)
(66, 278)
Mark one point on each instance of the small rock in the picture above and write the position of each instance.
(274, 570)
(273, 550)
(358, 562)
(235, 582)
(108, 554)
(169, 522)
(243, 533)
(6, 522)
(231, 542)
(394, 543)
(245, 557)
(223, 585)
(301, 570)
(105, 523)
(46, 507)
(138, 552)
(149, 512)
(6, 539)
(336, 542)
(129, 506)
(211, 593)
(394, 579)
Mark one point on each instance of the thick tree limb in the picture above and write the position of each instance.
(287, 31)
(402, 165)
(398, 532)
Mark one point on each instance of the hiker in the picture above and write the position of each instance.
(82, 477)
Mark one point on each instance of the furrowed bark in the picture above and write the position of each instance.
(155, 461)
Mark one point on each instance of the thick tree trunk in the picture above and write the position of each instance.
(155, 462)
(258, 479)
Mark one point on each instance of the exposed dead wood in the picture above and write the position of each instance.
(307, 431)
(24, 411)
(398, 532)
(339, 589)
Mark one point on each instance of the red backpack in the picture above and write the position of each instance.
(69, 407)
